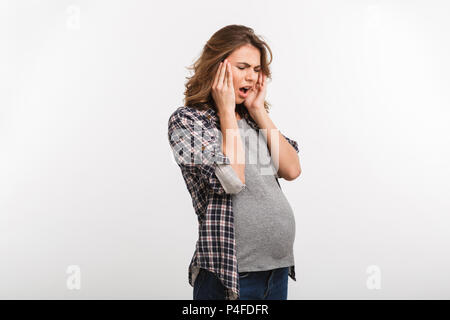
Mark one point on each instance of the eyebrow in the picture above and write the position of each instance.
(245, 63)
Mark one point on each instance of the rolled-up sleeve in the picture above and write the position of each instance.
(229, 179)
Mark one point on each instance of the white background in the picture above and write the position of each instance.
(87, 176)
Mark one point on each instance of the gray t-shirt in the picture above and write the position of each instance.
(264, 221)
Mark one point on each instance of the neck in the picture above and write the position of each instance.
(239, 110)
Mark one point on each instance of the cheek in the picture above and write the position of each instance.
(236, 82)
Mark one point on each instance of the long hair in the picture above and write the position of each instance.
(222, 43)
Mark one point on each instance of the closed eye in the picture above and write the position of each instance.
(240, 68)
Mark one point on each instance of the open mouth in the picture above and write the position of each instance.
(244, 89)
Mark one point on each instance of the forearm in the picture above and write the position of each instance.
(232, 145)
(283, 154)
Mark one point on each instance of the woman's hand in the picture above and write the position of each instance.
(223, 89)
(255, 99)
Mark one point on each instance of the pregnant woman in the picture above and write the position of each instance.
(231, 155)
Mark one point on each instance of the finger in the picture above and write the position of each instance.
(255, 86)
(230, 76)
(225, 76)
(257, 83)
(222, 73)
(216, 78)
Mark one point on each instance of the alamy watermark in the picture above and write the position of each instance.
(73, 281)
(203, 146)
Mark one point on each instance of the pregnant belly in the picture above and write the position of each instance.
(266, 231)
(278, 237)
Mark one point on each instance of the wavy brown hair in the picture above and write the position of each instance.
(221, 44)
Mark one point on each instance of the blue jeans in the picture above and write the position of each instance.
(257, 285)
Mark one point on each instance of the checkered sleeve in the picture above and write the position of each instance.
(196, 148)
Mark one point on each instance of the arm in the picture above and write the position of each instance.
(232, 143)
(284, 153)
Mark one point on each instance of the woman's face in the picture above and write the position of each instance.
(245, 67)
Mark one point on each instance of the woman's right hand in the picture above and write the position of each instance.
(223, 90)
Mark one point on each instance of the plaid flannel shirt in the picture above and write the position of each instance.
(189, 131)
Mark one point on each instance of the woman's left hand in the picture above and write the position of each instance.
(256, 96)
